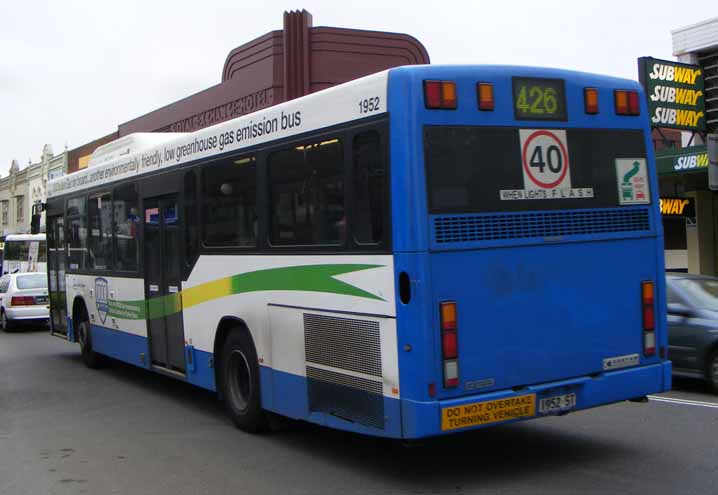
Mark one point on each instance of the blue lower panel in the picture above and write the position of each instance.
(120, 345)
(423, 419)
(289, 395)
(127, 347)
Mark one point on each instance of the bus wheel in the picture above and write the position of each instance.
(84, 336)
(239, 382)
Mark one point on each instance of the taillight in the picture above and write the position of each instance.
(649, 317)
(590, 100)
(22, 301)
(626, 102)
(449, 344)
(485, 94)
(440, 95)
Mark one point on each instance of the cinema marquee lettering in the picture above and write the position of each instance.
(678, 207)
(674, 92)
(236, 108)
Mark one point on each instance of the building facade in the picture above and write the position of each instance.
(20, 189)
(691, 232)
(276, 67)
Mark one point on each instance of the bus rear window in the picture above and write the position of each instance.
(467, 168)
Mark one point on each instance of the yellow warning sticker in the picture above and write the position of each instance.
(492, 411)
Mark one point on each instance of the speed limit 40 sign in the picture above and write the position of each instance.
(544, 157)
(546, 168)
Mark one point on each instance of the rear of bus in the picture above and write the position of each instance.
(527, 242)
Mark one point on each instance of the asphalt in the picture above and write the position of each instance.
(65, 429)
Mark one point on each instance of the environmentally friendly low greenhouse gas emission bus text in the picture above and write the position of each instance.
(422, 251)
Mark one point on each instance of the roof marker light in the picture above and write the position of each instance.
(440, 95)
(590, 100)
(485, 93)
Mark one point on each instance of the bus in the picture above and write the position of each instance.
(422, 251)
(24, 253)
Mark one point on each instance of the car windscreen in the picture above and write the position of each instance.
(471, 169)
(702, 293)
(34, 281)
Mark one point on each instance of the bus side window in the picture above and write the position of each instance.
(229, 196)
(127, 221)
(307, 195)
(191, 230)
(369, 189)
(100, 229)
(77, 232)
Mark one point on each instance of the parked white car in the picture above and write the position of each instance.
(23, 299)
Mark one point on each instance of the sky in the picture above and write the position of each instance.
(72, 71)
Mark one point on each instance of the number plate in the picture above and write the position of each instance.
(557, 404)
(40, 299)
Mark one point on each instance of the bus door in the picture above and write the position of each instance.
(163, 269)
(56, 274)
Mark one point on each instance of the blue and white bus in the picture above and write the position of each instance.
(426, 250)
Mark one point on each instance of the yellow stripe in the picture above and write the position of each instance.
(207, 291)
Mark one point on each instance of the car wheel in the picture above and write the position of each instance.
(712, 371)
(239, 382)
(84, 336)
(5, 323)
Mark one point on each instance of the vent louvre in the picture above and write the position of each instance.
(344, 343)
(526, 225)
(352, 398)
(353, 346)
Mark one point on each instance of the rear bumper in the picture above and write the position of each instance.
(424, 419)
(39, 312)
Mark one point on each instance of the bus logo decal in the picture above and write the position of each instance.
(102, 301)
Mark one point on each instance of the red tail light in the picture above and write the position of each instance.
(22, 301)
(449, 349)
(627, 102)
(449, 344)
(440, 95)
(634, 107)
(649, 317)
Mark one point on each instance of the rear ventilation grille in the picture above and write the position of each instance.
(355, 399)
(345, 343)
(353, 388)
(504, 226)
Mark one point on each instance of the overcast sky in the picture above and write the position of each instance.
(71, 71)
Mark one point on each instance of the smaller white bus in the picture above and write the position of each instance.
(24, 253)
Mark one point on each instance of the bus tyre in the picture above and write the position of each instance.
(5, 323)
(239, 382)
(712, 371)
(84, 337)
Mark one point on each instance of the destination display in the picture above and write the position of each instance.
(674, 92)
(539, 99)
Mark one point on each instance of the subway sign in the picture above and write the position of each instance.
(676, 161)
(674, 92)
(678, 207)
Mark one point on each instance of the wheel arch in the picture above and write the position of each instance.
(79, 308)
(225, 327)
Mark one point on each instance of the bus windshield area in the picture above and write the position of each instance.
(20, 250)
(471, 169)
